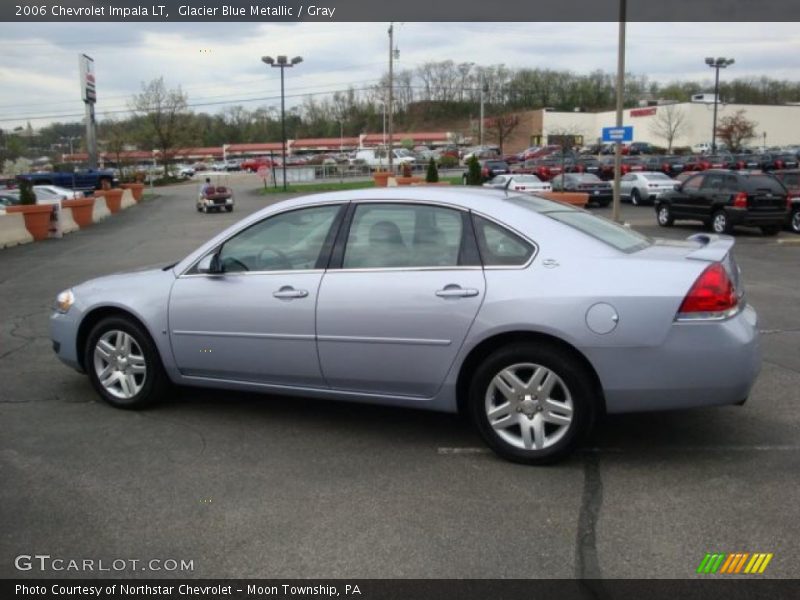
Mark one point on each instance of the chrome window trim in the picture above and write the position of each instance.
(238, 273)
(522, 267)
(396, 269)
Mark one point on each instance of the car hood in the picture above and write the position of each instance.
(131, 279)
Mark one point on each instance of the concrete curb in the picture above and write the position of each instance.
(68, 224)
(13, 231)
(127, 199)
(100, 210)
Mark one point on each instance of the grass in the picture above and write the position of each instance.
(335, 186)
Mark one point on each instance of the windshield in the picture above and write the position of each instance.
(617, 236)
(656, 177)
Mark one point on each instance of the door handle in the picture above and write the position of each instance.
(288, 291)
(456, 291)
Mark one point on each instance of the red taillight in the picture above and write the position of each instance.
(740, 200)
(778, 164)
(713, 292)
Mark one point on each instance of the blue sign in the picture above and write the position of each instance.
(618, 134)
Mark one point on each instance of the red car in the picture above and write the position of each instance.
(254, 164)
(629, 164)
(544, 168)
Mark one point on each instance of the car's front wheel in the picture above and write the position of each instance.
(664, 216)
(532, 403)
(123, 364)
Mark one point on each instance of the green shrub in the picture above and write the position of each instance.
(448, 162)
(473, 171)
(26, 193)
(432, 176)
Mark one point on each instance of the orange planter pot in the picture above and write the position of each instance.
(37, 218)
(381, 178)
(409, 180)
(137, 189)
(81, 210)
(113, 199)
(573, 198)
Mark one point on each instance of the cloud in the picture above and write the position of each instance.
(220, 62)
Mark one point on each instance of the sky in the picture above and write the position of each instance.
(219, 63)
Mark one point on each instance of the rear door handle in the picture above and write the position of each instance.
(288, 291)
(456, 291)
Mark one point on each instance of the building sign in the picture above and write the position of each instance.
(644, 112)
(618, 134)
(88, 90)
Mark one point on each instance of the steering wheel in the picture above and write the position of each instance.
(283, 260)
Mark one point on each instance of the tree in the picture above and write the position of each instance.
(166, 119)
(115, 137)
(669, 123)
(735, 130)
(432, 176)
(473, 171)
(499, 128)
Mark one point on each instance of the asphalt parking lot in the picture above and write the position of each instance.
(256, 486)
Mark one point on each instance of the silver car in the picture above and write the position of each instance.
(528, 315)
(519, 183)
(646, 186)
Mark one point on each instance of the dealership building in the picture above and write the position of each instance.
(776, 125)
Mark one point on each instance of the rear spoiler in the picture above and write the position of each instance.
(714, 247)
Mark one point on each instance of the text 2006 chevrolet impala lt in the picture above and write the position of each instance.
(529, 315)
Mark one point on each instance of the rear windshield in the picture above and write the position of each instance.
(617, 236)
(496, 164)
(764, 183)
(608, 232)
(656, 177)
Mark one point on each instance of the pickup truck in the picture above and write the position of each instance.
(377, 157)
(87, 180)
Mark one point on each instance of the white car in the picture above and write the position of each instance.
(519, 183)
(55, 192)
(646, 186)
(701, 148)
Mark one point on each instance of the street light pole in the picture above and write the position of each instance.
(620, 96)
(716, 64)
(281, 62)
(391, 95)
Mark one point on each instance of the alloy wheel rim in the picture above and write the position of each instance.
(719, 223)
(663, 214)
(529, 406)
(119, 364)
(796, 221)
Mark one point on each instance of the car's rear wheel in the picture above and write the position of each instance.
(771, 230)
(123, 364)
(636, 198)
(664, 216)
(720, 223)
(229, 208)
(532, 403)
(794, 223)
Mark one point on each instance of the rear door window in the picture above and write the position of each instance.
(500, 247)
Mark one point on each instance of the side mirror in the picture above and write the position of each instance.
(210, 264)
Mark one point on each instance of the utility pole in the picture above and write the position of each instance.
(391, 97)
(480, 123)
(620, 95)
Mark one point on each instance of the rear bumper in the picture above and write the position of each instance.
(741, 216)
(698, 364)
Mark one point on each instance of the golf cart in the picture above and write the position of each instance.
(214, 196)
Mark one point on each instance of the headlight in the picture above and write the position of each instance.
(64, 301)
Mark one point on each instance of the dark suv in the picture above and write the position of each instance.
(489, 169)
(723, 199)
(790, 178)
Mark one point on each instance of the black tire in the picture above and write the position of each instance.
(720, 223)
(576, 380)
(604, 203)
(771, 230)
(664, 215)
(636, 198)
(229, 208)
(794, 222)
(154, 383)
